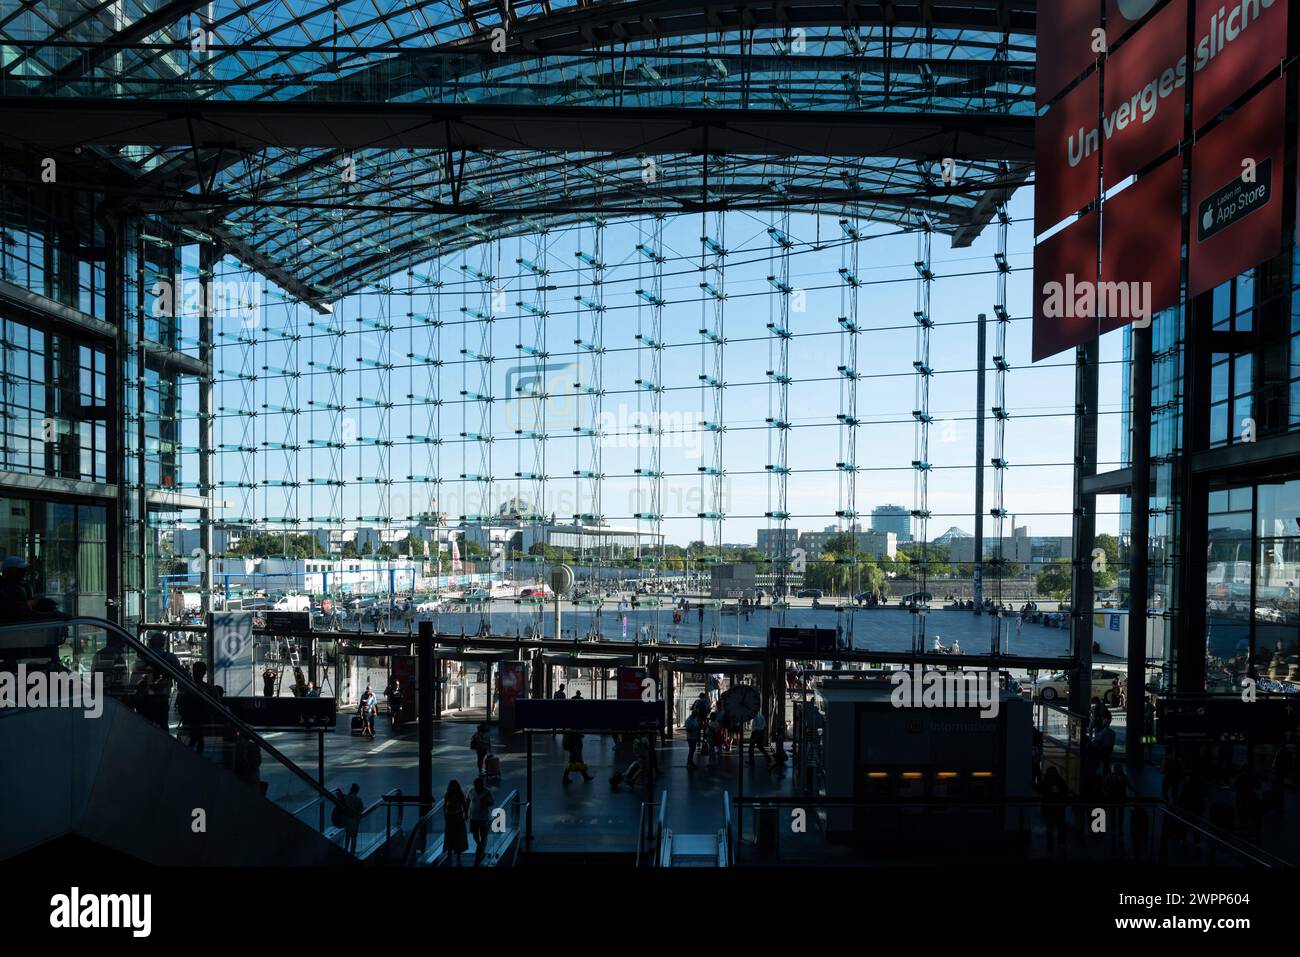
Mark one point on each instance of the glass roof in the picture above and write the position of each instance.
(339, 220)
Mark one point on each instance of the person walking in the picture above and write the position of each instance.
(481, 742)
(455, 809)
(1172, 783)
(369, 705)
(1114, 790)
(1055, 793)
(394, 696)
(758, 738)
(191, 707)
(692, 739)
(352, 811)
(480, 816)
(700, 708)
(715, 735)
(572, 744)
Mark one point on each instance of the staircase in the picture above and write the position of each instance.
(122, 781)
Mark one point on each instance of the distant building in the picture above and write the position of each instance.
(893, 518)
(773, 546)
(732, 580)
(873, 542)
(1021, 547)
(225, 538)
(594, 541)
(378, 537)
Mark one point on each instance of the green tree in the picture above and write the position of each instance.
(1104, 575)
(1056, 580)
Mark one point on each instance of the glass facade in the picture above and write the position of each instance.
(67, 546)
(53, 404)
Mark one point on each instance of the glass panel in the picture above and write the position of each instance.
(1219, 378)
(1219, 423)
(1227, 590)
(1241, 374)
(1221, 309)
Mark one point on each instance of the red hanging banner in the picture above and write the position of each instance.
(1236, 198)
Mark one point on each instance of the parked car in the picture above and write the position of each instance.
(542, 592)
(1057, 686)
(916, 598)
(808, 593)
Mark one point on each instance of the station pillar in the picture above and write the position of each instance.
(427, 690)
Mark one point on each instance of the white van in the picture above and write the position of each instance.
(294, 603)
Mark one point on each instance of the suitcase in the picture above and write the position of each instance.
(357, 727)
(492, 766)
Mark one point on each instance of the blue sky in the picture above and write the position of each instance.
(1039, 398)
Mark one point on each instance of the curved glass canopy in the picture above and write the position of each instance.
(496, 119)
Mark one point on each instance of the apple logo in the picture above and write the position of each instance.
(1135, 9)
(1207, 221)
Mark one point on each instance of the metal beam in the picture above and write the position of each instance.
(258, 125)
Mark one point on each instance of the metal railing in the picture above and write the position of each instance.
(728, 848)
(425, 845)
(134, 674)
(648, 856)
(1138, 830)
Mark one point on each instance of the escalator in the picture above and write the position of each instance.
(101, 758)
(424, 845)
(670, 848)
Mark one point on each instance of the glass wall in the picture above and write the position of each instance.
(1276, 569)
(1251, 585)
(66, 543)
(47, 246)
(53, 404)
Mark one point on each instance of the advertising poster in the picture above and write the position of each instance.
(1065, 45)
(1067, 150)
(513, 688)
(1141, 246)
(1123, 15)
(1236, 201)
(1238, 44)
(1065, 280)
(629, 683)
(232, 653)
(1146, 86)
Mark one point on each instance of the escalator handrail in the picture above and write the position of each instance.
(184, 680)
(726, 827)
(423, 825)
